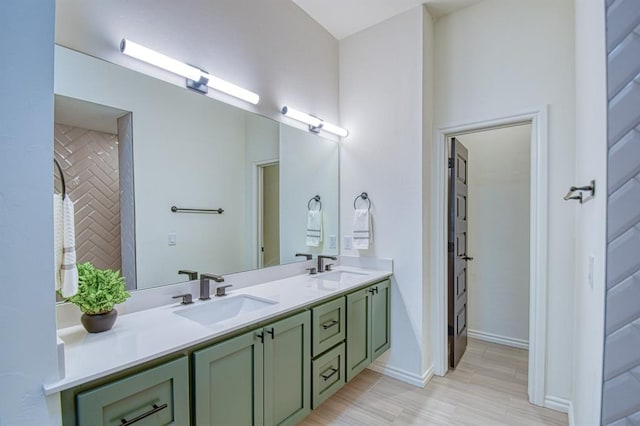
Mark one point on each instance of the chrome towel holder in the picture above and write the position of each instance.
(315, 198)
(365, 197)
(580, 189)
(64, 185)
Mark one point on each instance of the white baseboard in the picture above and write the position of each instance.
(403, 375)
(558, 404)
(501, 340)
(571, 415)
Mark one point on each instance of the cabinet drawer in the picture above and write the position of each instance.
(328, 325)
(158, 396)
(328, 374)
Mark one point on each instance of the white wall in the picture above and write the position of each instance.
(591, 163)
(498, 232)
(500, 57)
(270, 47)
(27, 317)
(308, 167)
(381, 103)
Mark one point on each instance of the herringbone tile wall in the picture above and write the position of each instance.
(621, 388)
(90, 163)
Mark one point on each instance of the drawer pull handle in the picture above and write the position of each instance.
(272, 332)
(330, 324)
(328, 376)
(155, 409)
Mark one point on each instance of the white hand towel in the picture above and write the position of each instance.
(68, 270)
(58, 236)
(314, 228)
(362, 229)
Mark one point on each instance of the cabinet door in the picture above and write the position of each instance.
(287, 363)
(380, 320)
(158, 396)
(358, 332)
(228, 381)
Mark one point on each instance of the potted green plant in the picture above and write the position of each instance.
(99, 290)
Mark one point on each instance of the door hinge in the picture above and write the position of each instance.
(451, 163)
(450, 247)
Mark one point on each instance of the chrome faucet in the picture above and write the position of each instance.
(308, 256)
(193, 275)
(204, 284)
(321, 262)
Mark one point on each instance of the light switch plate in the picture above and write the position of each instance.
(332, 241)
(348, 242)
(171, 239)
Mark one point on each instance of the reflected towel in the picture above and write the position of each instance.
(362, 229)
(314, 228)
(68, 273)
(58, 235)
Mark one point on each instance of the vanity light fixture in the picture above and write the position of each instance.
(315, 124)
(197, 79)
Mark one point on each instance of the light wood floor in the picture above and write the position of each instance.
(489, 387)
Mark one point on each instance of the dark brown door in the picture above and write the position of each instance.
(457, 247)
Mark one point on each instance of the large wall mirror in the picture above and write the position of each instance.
(133, 146)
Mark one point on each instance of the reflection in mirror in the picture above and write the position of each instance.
(186, 150)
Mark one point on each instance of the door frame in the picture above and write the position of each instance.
(258, 167)
(538, 118)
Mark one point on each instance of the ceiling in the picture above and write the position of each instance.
(343, 18)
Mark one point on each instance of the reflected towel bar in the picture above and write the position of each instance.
(207, 211)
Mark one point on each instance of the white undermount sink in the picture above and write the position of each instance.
(215, 311)
(339, 275)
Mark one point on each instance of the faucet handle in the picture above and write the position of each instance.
(222, 290)
(312, 271)
(328, 267)
(187, 299)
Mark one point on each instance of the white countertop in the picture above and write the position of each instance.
(143, 336)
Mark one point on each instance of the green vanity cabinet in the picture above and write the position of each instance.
(157, 396)
(368, 326)
(258, 378)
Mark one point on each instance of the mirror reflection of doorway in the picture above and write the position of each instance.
(269, 214)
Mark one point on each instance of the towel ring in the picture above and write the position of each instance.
(317, 200)
(64, 186)
(365, 197)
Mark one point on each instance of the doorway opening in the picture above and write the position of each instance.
(488, 248)
(535, 259)
(268, 214)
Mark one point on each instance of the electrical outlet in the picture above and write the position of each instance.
(171, 238)
(592, 261)
(348, 242)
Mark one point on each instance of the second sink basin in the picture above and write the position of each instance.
(216, 311)
(339, 275)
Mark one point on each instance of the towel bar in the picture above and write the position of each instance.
(182, 210)
(364, 197)
(315, 198)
